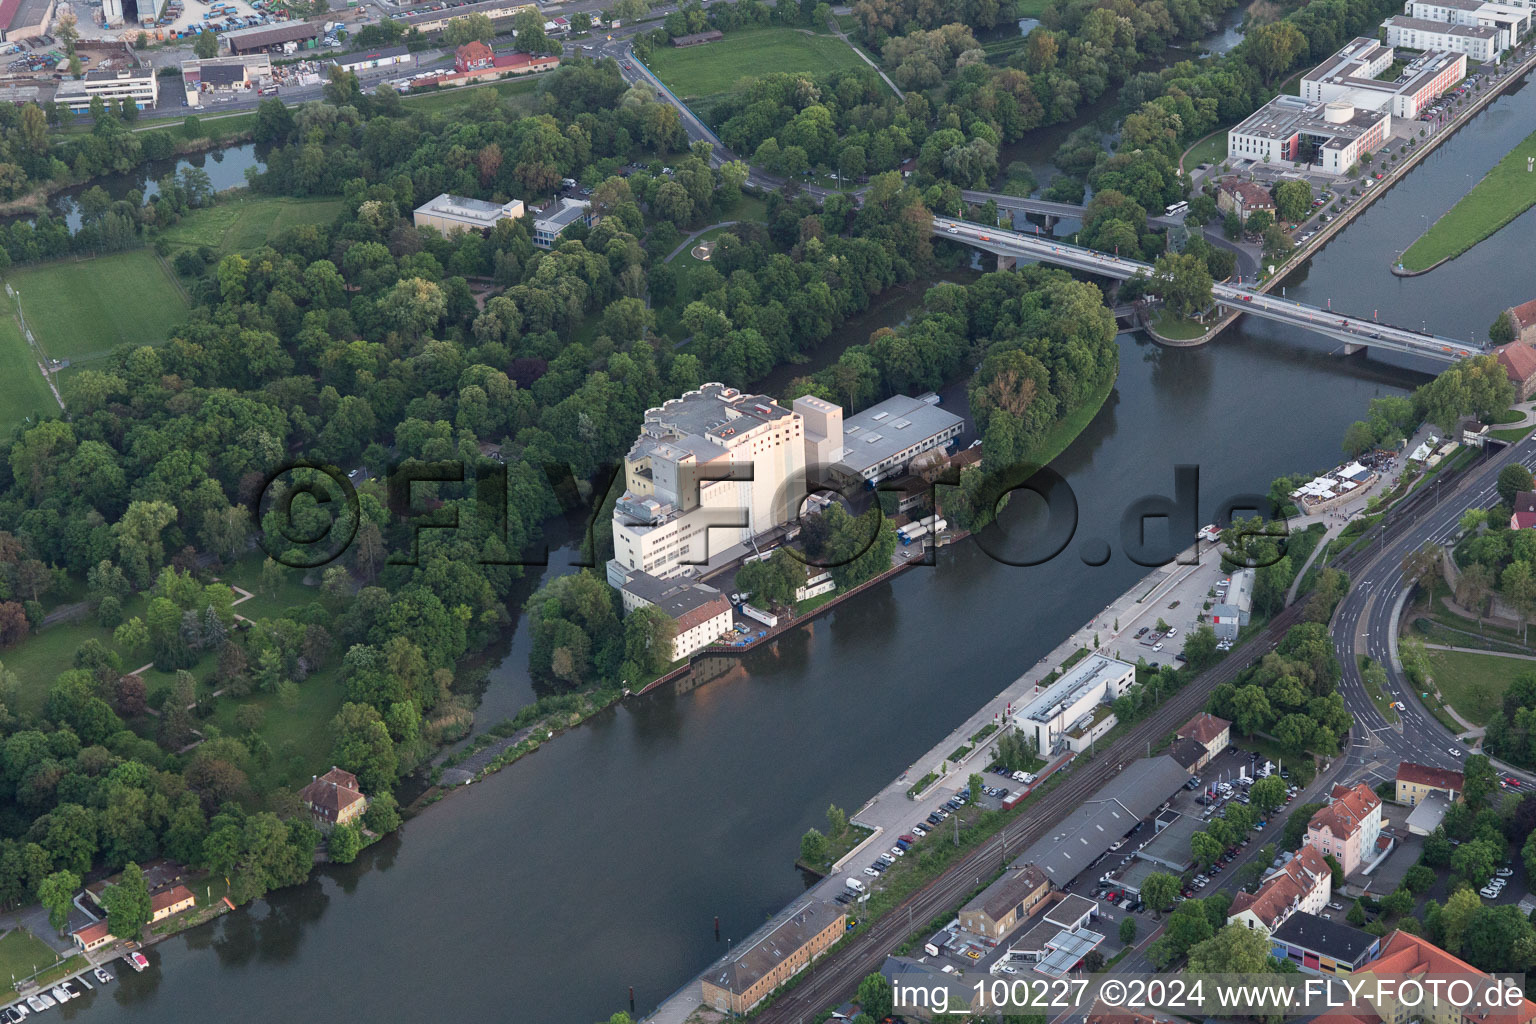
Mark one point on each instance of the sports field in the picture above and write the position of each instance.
(720, 67)
(82, 309)
(239, 225)
(23, 392)
(1506, 193)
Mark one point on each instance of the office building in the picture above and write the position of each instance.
(1478, 42)
(113, 85)
(1331, 136)
(1512, 23)
(1059, 707)
(1353, 76)
(555, 218)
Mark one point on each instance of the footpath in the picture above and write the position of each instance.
(1161, 594)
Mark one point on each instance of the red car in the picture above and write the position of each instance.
(985, 238)
(1512, 780)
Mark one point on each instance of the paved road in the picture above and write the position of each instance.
(1366, 620)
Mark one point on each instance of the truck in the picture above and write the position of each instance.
(766, 618)
(911, 532)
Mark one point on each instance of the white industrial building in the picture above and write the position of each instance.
(882, 440)
(1352, 76)
(1062, 705)
(712, 469)
(113, 85)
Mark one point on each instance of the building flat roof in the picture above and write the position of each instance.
(1345, 68)
(1285, 116)
(1170, 847)
(569, 212)
(272, 35)
(1067, 948)
(363, 58)
(120, 74)
(889, 428)
(476, 212)
(1441, 27)
(1094, 670)
(1321, 935)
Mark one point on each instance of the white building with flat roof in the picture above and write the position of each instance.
(1478, 42)
(113, 85)
(882, 440)
(1289, 129)
(1353, 76)
(449, 213)
(1511, 22)
(1056, 709)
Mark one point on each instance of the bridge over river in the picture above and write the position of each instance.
(1354, 332)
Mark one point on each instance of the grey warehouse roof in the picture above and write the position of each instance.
(1106, 816)
(887, 429)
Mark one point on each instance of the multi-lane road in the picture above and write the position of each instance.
(1365, 623)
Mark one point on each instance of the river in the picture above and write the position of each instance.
(600, 862)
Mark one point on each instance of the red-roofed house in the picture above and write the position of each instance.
(473, 56)
(1243, 198)
(170, 901)
(1416, 781)
(1305, 883)
(1404, 956)
(1524, 515)
(92, 936)
(1210, 732)
(1348, 826)
(1519, 362)
(1524, 316)
(334, 798)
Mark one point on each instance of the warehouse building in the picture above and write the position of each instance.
(436, 21)
(390, 56)
(749, 973)
(1353, 76)
(1105, 818)
(1002, 906)
(882, 440)
(25, 19)
(449, 213)
(266, 38)
(219, 76)
(1332, 136)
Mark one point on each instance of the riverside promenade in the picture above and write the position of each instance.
(890, 811)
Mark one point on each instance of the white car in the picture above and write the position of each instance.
(1019, 777)
(872, 873)
(1454, 752)
(1157, 646)
(897, 851)
(1504, 872)
(1173, 631)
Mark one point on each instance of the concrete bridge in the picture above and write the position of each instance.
(1051, 211)
(1356, 333)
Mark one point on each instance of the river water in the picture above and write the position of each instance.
(600, 862)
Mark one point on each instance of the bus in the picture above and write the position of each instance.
(1176, 209)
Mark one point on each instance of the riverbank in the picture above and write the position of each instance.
(1399, 171)
(893, 807)
(1505, 193)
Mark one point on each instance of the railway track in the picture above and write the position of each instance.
(836, 976)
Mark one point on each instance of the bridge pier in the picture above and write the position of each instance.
(1006, 262)
(1352, 347)
(1050, 223)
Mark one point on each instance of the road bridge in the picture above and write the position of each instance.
(1356, 333)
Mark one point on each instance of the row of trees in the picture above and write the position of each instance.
(1290, 694)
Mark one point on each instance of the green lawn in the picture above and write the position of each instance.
(82, 309)
(721, 67)
(1210, 150)
(300, 736)
(23, 392)
(22, 954)
(247, 223)
(1170, 325)
(443, 101)
(1474, 684)
(1506, 193)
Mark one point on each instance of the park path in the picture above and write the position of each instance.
(837, 30)
(689, 240)
(1478, 650)
(1330, 530)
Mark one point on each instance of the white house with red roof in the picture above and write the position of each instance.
(1349, 826)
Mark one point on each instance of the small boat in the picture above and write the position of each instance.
(72, 986)
(102, 975)
(21, 1011)
(138, 961)
(47, 1000)
(37, 1005)
(60, 993)
(11, 1016)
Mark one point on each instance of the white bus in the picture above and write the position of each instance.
(1176, 209)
